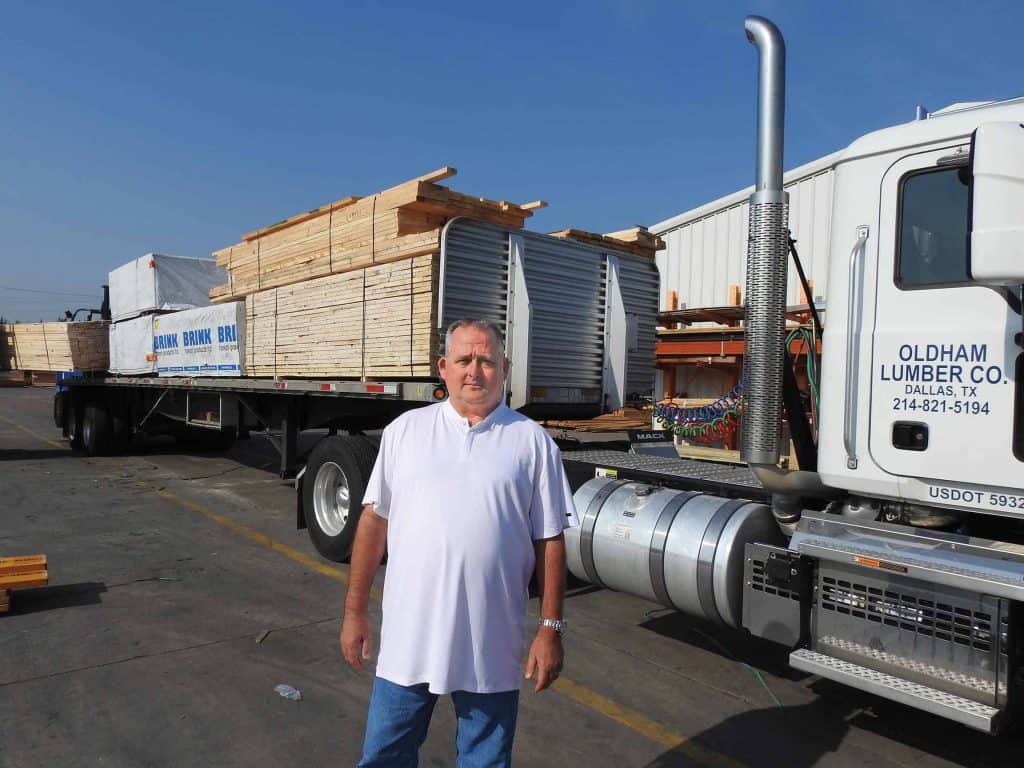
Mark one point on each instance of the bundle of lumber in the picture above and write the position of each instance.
(637, 240)
(374, 322)
(20, 573)
(356, 232)
(55, 346)
(617, 421)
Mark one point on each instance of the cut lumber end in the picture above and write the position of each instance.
(439, 175)
(534, 205)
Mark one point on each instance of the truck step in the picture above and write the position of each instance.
(970, 713)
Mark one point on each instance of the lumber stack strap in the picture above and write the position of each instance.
(21, 573)
(353, 233)
(377, 321)
(55, 346)
(636, 240)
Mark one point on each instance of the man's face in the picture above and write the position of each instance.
(473, 370)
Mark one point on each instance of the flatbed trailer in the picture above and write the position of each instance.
(100, 413)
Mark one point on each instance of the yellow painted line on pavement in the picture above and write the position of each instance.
(631, 719)
(252, 534)
(643, 725)
(34, 434)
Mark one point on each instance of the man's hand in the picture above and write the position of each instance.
(356, 641)
(545, 658)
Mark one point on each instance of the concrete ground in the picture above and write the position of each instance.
(166, 569)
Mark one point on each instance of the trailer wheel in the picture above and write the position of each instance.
(120, 430)
(60, 407)
(95, 429)
(336, 475)
(73, 424)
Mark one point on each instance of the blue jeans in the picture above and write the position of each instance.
(399, 716)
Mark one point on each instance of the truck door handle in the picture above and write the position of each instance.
(852, 335)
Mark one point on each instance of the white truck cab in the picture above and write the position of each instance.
(921, 395)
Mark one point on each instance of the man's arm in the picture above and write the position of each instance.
(367, 552)
(545, 657)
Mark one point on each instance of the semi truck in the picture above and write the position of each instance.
(892, 561)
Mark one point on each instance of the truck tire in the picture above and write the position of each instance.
(60, 407)
(332, 492)
(95, 429)
(73, 424)
(120, 430)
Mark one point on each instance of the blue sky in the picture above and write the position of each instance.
(174, 127)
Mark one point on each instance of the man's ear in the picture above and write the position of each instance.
(442, 364)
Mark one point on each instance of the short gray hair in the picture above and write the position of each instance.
(487, 326)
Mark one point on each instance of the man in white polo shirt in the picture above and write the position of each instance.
(469, 497)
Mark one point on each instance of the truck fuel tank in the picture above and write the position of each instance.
(682, 549)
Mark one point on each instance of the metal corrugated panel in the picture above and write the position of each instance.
(566, 282)
(475, 279)
(639, 282)
(706, 250)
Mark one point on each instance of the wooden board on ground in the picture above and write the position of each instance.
(55, 346)
(399, 223)
(376, 322)
(10, 566)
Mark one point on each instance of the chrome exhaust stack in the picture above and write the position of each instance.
(767, 256)
(766, 280)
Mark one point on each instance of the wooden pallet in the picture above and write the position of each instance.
(376, 322)
(55, 346)
(353, 233)
(21, 573)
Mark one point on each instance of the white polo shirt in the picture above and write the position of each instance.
(464, 505)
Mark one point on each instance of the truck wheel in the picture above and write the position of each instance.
(73, 424)
(332, 492)
(60, 407)
(95, 429)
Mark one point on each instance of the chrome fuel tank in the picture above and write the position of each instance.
(681, 549)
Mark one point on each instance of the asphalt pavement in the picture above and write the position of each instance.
(181, 593)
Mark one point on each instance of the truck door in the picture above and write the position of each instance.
(943, 351)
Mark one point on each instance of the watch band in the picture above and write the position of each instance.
(558, 625)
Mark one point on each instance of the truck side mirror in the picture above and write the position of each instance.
(997, 204)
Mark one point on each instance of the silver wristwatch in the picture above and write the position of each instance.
(556, 624)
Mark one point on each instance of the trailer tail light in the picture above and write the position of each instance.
(375, 388)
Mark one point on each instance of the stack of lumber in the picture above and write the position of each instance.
(618, 421)
(20, 573)
(377, 321)
(55, 346)
(637, 240)
(354, 233)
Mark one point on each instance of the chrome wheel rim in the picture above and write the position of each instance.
(331, 499)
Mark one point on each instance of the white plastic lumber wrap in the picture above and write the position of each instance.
(131, 346)
(155, 282)
(207, 341)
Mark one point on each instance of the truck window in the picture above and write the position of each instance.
(932, 246)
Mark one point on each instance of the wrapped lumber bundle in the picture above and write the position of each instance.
(356, 232)
(159, 283)
(55, 346)
(374, 322)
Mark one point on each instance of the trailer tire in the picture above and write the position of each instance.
(337, 472)
(73, 424)
(60, 407)
(95, 429)
(120, 430)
